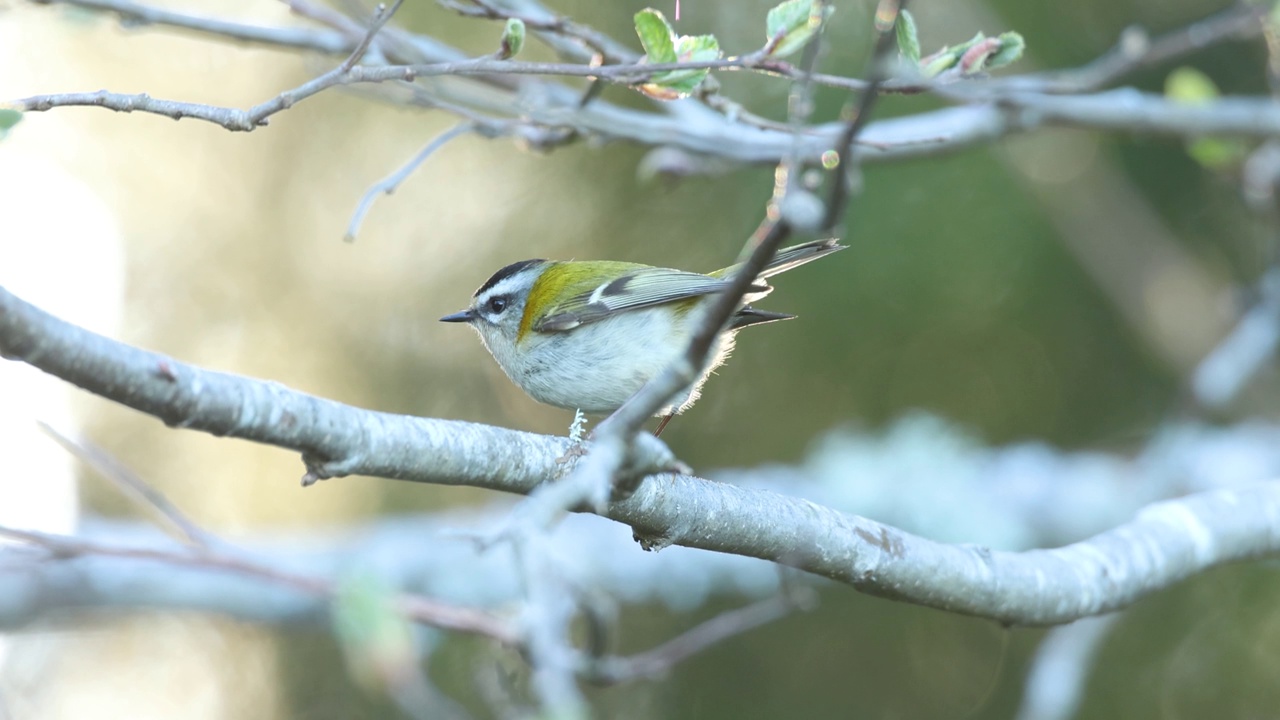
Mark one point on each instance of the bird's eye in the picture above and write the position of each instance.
(497, 304)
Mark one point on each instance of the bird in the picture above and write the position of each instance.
(586, 335)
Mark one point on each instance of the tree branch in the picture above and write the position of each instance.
(416, 608)
(135, 13)
(659, 660)
(388, 185)
(1168, 542)
(334, 439)
(860, 113)
(1009, 105)
(132, 486)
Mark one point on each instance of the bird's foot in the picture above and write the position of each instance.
(579, 446)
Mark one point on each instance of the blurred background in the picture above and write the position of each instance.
(1057, 287)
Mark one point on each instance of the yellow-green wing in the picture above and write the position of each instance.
(639, 286)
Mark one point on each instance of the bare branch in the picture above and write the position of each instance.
(334, 439)
(1166, 543)
(1129, 110)
(1252, 343)
(135, 13)
(131, 485)
(1059, 672)
(415, 608)
(229, 118)
(549, 25)
(381, 16)
(658, 661)
(546, 618)
(1136, 51)
(887, 13)
(388, 185)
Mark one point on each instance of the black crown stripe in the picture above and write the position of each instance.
(505, 273)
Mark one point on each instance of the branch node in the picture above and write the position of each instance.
(318, 469)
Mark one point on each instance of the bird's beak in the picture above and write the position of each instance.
(464, 316)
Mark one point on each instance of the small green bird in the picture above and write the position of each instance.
(587, 335)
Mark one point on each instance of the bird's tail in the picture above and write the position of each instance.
(791, 257)
(797, 255)
(751, 316)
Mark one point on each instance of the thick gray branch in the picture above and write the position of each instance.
(335, 439)
(1168, 542)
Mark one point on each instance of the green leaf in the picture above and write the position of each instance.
(964, 47)
(680, 83)
(512, 38)
(787, 17)
(697, 48)
(656, 36)
(937, 63)
(792, 23)
(661, 45)
(946, 58)
(1216, 153)
(1011, 46)
(1189, 85)
(979, 54)
(908, 37)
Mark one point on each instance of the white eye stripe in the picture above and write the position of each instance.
(512, 287)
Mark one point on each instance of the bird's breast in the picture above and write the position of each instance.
(597, 366)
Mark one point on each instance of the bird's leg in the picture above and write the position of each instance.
(662, 424)
(579, 446)
(577, 426)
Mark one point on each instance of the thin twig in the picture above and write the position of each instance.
(229, 118)
(414, 607)
(134, 14)
(545, 624)
(132, 485)
(659, 660)
(608, 49)
(1223, 373)
(799, 110)
(887, 14)
(1058, 675)
(319, 13)
(1136, 51)
(388, 185)
(381, 15)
